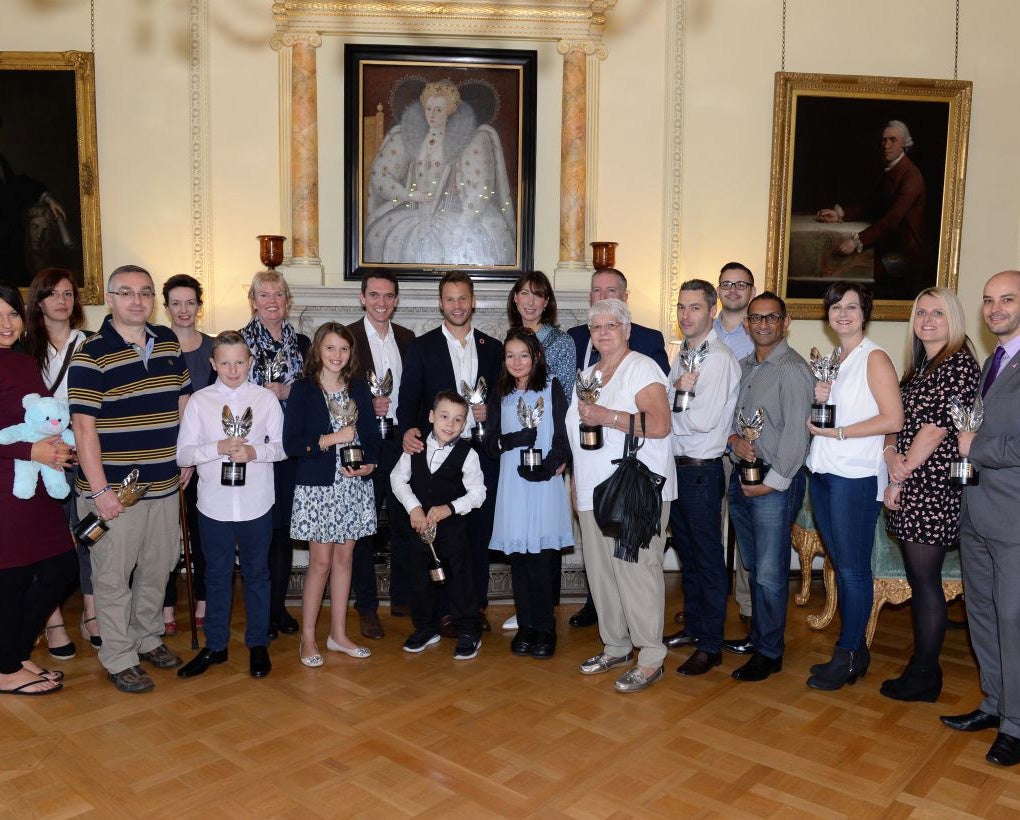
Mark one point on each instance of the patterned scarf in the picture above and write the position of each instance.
(264, 348)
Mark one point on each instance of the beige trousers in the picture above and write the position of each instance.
(630, 598)
(130, 568)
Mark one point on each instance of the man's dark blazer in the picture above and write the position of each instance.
(642, 340)
(428, 369)
(363, 350)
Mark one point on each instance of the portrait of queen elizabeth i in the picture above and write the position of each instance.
(438, 190)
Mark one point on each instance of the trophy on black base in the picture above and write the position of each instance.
(475, 396)
(751, 472)
(91, 528)
(588, 390)
(343, 412)
(268, 370)
(233, 474)
(825, 368)
(530, 418)
(690, 360)
(381, 388)
(966, 420)
(436, 573)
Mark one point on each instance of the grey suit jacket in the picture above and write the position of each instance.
(995, 451)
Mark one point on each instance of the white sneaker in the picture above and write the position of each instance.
(510, 623)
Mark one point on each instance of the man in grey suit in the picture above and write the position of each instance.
(989, 539)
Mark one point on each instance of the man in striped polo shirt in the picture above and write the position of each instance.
(127, 387)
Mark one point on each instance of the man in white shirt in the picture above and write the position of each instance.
(703, 402)
(380, 345)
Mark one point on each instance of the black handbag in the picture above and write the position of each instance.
(628, 504)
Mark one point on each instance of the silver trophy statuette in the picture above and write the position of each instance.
(343, 412)
(966, 420)
(530, 418)
(91, 528)
(690, 360)
(269, 370)
(231, 474)
(751, 472)
(588, 390)
(475, 396)
(436, 573)
(825, 368)
(381, 388)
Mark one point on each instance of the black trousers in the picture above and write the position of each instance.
(27, 597)
(534, 594)
(455, 554)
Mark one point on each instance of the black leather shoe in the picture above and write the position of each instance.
(699, 663)
(274, 630)
(483, 622)
(971, 722)
(522, 642)
(202, 661)
(758, 668)
(678, 639)
(739, 646)
(259, 663)
(585, 616)
(544, 645)
(288, 625)
(1005, 751)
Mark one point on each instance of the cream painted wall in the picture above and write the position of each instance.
(731, 51)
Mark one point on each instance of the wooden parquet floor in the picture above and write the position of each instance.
(401, 735)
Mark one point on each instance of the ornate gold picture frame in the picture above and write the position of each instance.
(49, 179)
(848, 201)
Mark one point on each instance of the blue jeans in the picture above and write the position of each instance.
(763, 535)
(695, 518)
(252, 541)
(846, 512)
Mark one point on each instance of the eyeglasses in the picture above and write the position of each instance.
(767, 318)
(728, 285)
(610, 326)
(127, 293)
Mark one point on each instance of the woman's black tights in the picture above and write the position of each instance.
(923, 564)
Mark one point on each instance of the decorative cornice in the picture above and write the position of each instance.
(290, 39)
(531, 18)
(673, 195)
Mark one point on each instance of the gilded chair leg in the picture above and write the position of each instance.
(831, 598)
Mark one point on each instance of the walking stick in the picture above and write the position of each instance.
(186, 538)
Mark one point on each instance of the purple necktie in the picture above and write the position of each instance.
(993, 371)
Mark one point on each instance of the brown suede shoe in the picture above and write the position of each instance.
(370, 625)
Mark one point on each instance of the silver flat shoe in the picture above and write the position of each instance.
(602, 663)
(354, 651)
(634, 680)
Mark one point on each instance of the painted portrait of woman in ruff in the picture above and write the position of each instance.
(444, 177)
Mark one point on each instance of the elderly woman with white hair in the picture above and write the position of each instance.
(629, 597)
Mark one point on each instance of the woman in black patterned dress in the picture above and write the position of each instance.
(924, 508)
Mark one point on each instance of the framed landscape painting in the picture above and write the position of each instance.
(867, 184)
(439, 161)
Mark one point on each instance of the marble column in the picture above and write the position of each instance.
(573, 153)
(304, 152)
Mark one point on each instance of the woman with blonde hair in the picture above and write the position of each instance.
(924, 508)
(278, 353)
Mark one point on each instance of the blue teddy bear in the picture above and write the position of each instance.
(44, 417)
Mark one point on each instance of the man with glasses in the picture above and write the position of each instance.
(610, 283)
(736, 289)
(777, 380)
(127, 388)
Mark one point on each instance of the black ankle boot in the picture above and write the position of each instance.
(862, 657)
(842, 669)
(918, 682)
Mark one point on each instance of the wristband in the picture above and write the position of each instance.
(840, 434)
(452, 510)
(94, 496)
(616, 416)
(888, 447)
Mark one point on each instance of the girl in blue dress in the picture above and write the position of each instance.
(532, 519)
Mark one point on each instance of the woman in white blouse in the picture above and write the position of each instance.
(53, 333)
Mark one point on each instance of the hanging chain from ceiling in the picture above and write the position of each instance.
(782, 61)
(92, 24)
(956, 44)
